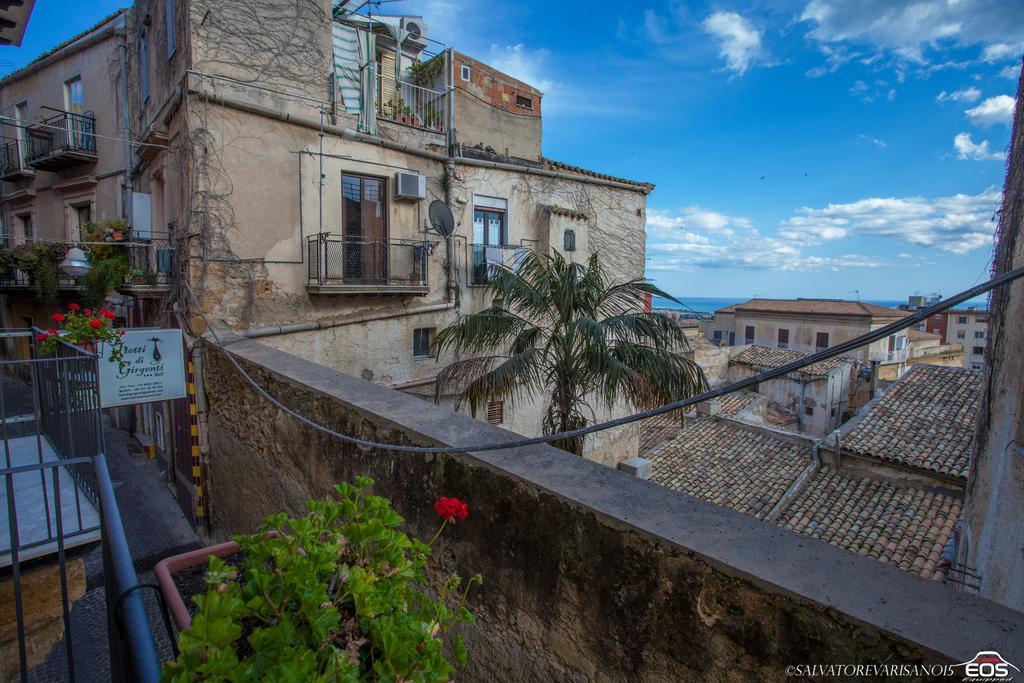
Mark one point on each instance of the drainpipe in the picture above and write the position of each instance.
(122, 58)
(874, 377)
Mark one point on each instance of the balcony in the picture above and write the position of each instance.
(485, 258)
(410, 104)
(340, 266)
(12, 162)
(18, 279)
(152, 264)
(59, 503)
(62, 141)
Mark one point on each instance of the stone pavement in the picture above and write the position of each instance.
(156, 528)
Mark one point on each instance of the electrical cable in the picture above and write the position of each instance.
(832, 352)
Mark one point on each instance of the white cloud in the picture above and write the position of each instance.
(874, 141)
(701, 238)
(1012, 72)
(999, 52)
(956, 224)
(904, 254)
(998, 109)
(519, 62)
(967, 149)
(895, 25)
(739, 42)
(970, 94)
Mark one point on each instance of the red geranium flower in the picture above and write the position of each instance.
(42, 336)
(74, 307)
(95, 324)
(109, 315)
(57, 317)
(88, 311)
(51, 331)
(451, 509)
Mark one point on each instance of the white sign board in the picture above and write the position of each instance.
(154, 369)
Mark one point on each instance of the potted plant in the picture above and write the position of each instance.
(86, 328)
(332, 595)
(40, 261)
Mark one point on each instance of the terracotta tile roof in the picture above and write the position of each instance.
(744, 469)
(904, 526)
(779, 418)
(768, 357)
(735, 403)
(925, 420)
(727, 309)
(655, 430)
(553, 165)
(821, 307)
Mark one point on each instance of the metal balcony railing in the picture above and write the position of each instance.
(410, 104)
(12, 160)
(339, 260)
(484, 258)
(62, 139)
(59, 501)
(20, 279)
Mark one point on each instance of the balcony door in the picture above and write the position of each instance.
(489, 231)
(364, 249)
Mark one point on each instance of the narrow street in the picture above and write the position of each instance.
(156, 528)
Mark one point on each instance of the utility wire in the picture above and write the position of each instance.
(832, 352)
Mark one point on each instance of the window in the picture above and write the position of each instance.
(783, 339)
(748, 334)
(979, 319)
(467, 72)
(21, 119)
(489, 231)
(524, 102)
(27, 230)
(170, 27)
(496, 412)
(717, 335)
(144, 66)
(975, 366)
(961, 320)
(961, 334)
(421, 338)
(569, 240)
(79, 219)
(979, 350)
(821, 341)
(979, 334)
(808, 410)
(74, 95)
(732, 339)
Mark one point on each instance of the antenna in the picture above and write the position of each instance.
(441, 218)
(854, 291)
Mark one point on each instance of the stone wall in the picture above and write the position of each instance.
(993, 539)
(590, 574)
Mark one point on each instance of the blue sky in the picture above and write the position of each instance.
(799, 148)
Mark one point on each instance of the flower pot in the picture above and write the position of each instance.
(167, 568)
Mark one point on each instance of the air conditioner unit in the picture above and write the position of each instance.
(410, 186)
(418, 32)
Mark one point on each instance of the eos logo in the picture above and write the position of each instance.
(988, 666)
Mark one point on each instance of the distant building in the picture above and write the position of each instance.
(809, 325)
(927, 348)
(967, 327)
(891, 488)
(819, 394)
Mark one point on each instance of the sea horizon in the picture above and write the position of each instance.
(710, 304)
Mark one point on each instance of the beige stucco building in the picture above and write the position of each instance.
(297, 184)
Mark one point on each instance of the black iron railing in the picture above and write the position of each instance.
(59, 499)
(63, 132)
(484, 258)
(12, 158)
(339, 260)
(21, 279)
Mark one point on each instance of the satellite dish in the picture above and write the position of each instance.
(441, 218)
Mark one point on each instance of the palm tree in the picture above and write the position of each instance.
(564, 329)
